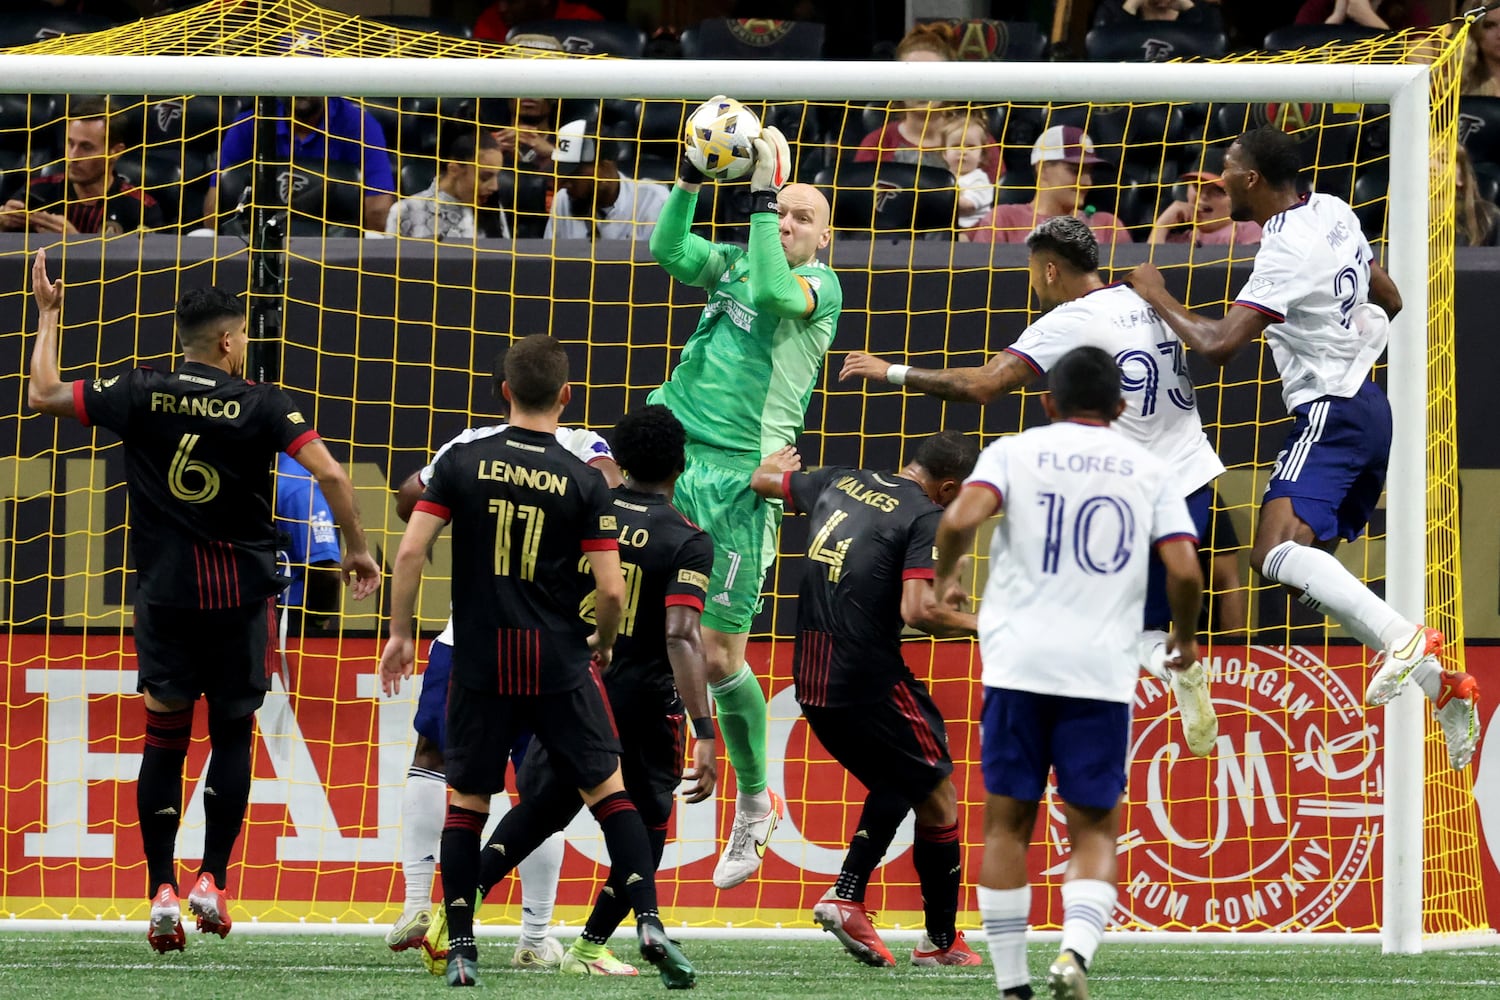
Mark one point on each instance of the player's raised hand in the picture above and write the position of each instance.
(49, 293)
(364, 571)
(704, 774)
(397, 661)
(858, 364)
(1146, 278)
(773, 160)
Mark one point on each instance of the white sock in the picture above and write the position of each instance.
(1087, 903)
(1005, 912)
(1428, 675)
(1337, 593)
(424, 806)
(539, 873)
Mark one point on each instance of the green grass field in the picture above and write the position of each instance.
(100, 966)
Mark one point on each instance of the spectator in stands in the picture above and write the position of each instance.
(1202, 218)
(967, 139)
(496, 20)
(87, 196)
(594, 200)
(1183, 12)
(1477, 220)
(1064, 157)
(445, 209)
(321, 130)
(1481, 76)
(1385, 15)
(917, 134)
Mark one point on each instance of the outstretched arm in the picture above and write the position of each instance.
(673, 244)
(773, 286)
(1218, 340)
(46, 392)
(1003, 373)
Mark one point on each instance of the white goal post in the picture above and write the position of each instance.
(1404, 88)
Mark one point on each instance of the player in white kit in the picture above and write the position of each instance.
(1161, 412)
(1084, 506)
(1323, 304)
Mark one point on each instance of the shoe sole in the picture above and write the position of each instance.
(932, 962)
(414, 937)
(1067, 984)
(585, 969)
(832, 922)
(1383, 688)
(165, 934)
(210, 920)
(1469, 747)
(1200, 723)
(531, 961)
(778, 809)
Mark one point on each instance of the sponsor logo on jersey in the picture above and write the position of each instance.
(690, 578)
(722, 598)
(607, 522)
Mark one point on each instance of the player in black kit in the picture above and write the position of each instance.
(524, 510)
(200, 442)
(656, 680)
(869, 570)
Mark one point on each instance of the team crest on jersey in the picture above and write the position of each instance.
(296, 417)
(101, 384)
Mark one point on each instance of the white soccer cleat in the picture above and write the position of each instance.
(1397, 662)
(1151, 651)
(1457, 711)
(408, 930)
(1200, 723)
(544, 954)
(747, 845)
(603, 965)
(1066, 979)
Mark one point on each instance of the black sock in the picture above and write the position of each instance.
(1019, 993)
(226, 791)
(1082, 962)
(613, 904)
(937, 857)
(158, 793)
(460, 863)
(629, 853)
(521, 831)
(878, 820)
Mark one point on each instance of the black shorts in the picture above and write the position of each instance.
(226, 655)
(898, 745)
(575, 727)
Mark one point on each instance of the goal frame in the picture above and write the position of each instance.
(1404, 88)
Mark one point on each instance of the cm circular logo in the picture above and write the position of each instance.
(1276, 828)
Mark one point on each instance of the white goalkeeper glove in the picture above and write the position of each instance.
(772, 169)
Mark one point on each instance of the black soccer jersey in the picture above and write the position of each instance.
(199, 446)
(666, 559)
(124, 208)
(522, 509)
(869, 533)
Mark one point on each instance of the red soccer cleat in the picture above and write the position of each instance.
(850, 923)
(211, 905)
(958, 953)
(165, 933)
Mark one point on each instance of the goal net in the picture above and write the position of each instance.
(389, 345)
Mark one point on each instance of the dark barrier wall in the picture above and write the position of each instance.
(381, 353)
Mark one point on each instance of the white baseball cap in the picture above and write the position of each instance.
(574, 148)
(1067, 143)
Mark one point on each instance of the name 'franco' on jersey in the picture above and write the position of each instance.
(1161, 410)
(199, 445)
(745, 377)
(1062, 607)
(522, 510)
(1311, 270)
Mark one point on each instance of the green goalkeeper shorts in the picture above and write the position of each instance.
(717, 497)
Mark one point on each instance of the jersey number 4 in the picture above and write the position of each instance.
(831, 555)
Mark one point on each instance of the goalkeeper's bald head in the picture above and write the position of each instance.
(804, 215)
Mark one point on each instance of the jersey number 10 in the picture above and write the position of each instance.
(1103, 533)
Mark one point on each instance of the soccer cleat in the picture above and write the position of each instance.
(544, 954)
(1457, 711)
(1200, 724)
(1397, 662)
(676, 971)
(435, 944)
(1066, 979)
(747, 845)
(850, 923)
(605, 964)
(211, 905)
(461, 970)
(1151, 651)
(408, 930)
(958, 953)
(164, 933)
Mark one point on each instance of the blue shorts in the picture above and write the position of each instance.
(1023, 735)
(431, 719)
(1200, 504)
(1333, 465)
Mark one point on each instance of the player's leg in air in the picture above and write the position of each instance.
(1326, 483)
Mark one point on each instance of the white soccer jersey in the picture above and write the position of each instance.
(585, 445)
(1067, 588)
(1161, 413)
(1311, 270)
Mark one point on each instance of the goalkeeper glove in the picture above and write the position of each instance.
(772, 169)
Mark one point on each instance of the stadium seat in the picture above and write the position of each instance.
(1151, 41)
(1479, 128)
(192, 121)
(1017, 187)
(416, 22)
(26, 27)
(890, 198)
(981, 39)
(527, 202)
(1369, 202)
(1311, 36)
(752, 38)
(160, 174)
(592, 38)
(1142, 134)
(29, 121)
(1487, 182)
(415, 173)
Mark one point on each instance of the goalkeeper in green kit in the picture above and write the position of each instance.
(741, 389)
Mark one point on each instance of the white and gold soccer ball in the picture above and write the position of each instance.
(718, 138)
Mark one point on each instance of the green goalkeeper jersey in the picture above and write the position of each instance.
(747, 373)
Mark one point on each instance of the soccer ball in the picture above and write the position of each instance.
(718, 138)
